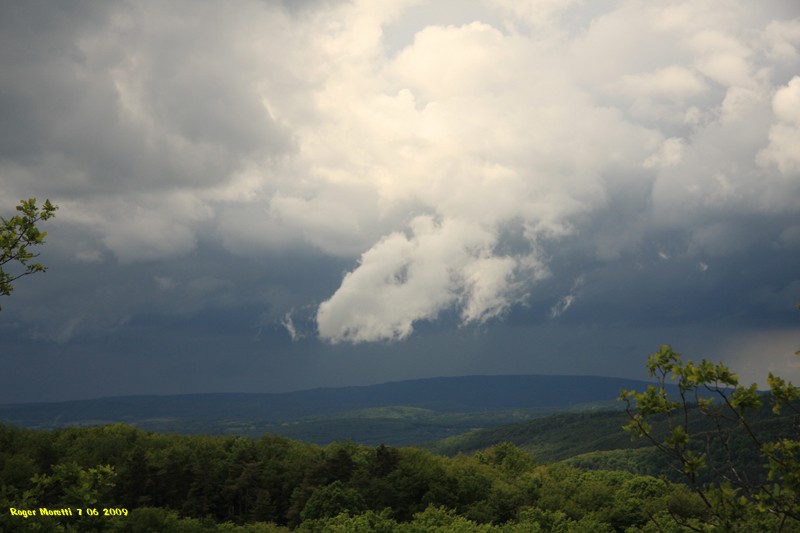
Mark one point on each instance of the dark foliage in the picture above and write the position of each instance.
(201, 483)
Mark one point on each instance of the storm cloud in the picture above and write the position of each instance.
(360, 173)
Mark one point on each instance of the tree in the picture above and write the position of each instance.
(734, 501)
(332, 500)
(17, 235)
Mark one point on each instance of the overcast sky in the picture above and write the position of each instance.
(264, 196)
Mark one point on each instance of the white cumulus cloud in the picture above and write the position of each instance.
(406, 278)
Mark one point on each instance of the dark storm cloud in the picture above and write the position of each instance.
(501, 186)
(122, 97)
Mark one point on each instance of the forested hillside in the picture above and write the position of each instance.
(398, 413)
(180, 483)
(599, 441)
(156, 482)
(720, 457)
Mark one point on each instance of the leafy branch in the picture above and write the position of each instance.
(18, 235)
(713, 391)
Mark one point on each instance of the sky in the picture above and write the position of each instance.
(264, 195)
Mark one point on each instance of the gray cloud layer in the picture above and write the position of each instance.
(357, 170)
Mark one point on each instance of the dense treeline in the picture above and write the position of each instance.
(599, 441)
(200, 483)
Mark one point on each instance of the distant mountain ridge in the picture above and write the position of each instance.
(443, 394)
(303, 414)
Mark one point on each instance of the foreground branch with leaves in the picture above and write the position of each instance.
(18, 235)
(734, 501)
